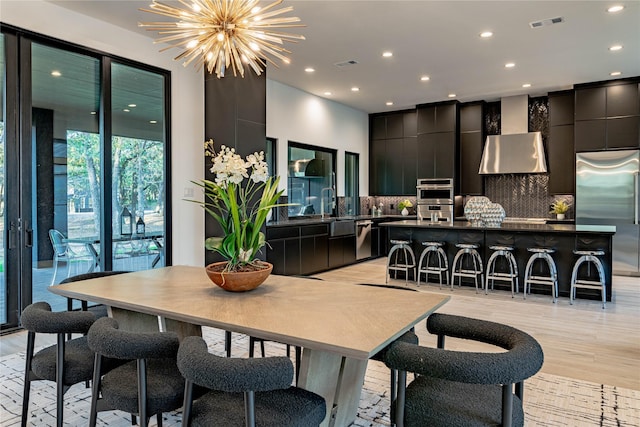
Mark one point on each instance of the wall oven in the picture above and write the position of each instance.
(435, 191)
(435, 200)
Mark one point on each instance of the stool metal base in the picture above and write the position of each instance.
(433, 248)
(511, 276)
(590, 257)
(458, 271)
(404, 247)
(551, 280)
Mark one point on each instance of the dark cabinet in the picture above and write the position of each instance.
(607, 115)
(392, 153)
(342, 251)
(283, 250)
(314, 248)
(560, 145)
(471, 146)
(561, 160)
(436, 142)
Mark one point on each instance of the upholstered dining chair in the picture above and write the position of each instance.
(245, 392)
(456, 388)
(147, 385)
(65, 363)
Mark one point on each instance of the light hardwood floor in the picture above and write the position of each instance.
(582, 341)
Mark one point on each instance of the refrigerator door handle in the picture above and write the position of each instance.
(635, 197)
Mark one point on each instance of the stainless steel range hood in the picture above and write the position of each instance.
(516, 150)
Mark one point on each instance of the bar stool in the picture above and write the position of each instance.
(511, 276)
(590, 257)
(467, 250)
(433, 248)
(400, 247)
(552, 280)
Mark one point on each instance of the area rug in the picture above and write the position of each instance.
(550, 400)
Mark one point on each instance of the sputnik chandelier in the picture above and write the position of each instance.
(222, 34)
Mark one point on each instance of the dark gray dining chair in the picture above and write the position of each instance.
(242, 391)
(65, 363)
(457, 388)
(99, 310)
(147, 385)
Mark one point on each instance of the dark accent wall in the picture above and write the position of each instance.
(235, 116)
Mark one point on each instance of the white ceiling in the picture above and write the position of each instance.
(439, 39)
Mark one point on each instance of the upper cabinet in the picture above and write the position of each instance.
(392, 153)
(471, 145)
(437, 140)
(560, 150)
(607, 115)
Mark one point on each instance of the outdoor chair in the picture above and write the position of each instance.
(456, 388)
(64, 252)
(245, 392)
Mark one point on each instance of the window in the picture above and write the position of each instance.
(311, 180)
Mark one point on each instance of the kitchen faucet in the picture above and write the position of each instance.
(330, 192)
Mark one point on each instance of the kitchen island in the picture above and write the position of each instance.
(564, 238)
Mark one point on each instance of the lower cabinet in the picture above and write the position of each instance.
(298, 250)
(342, 251)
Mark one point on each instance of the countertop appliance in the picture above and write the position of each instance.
(435, 200)
(363, 239)
(607, 194)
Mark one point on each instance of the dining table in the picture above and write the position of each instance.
(339, 325)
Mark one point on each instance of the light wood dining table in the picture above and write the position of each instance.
(338, 325)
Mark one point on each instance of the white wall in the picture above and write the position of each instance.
(187, 95)
(294, 115)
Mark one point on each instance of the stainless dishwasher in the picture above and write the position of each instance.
(363, 239)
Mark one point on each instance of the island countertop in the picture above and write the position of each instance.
(511, 226)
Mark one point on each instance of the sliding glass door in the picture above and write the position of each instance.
(88, 142)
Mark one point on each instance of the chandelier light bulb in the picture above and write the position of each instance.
(223, 34)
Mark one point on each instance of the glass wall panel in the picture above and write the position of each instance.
(65, 167)
(138, 176)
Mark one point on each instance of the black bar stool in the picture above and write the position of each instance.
(589, 257)
(404, 263)
(511, 276)
(467, 250)
(433, 248)
(543, 254)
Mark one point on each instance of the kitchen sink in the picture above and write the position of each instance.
(342, 227)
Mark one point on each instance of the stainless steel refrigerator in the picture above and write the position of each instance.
(607, 194)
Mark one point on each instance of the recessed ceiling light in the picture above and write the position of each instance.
(389, 103)
(153, 122)
(526, 85)
(327, 93)
(132, 105)
(486, 34)
(452, 95)
(387, 54)
(309, 69)
(424, 78)
(509, 65)
(56, 73)
(355, 89)
(615, 47)
(615, 73)
(126, 110)
(614, 9)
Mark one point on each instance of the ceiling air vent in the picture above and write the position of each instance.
(546, 22)
(346, 63)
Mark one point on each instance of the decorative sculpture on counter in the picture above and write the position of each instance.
(481, 212)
